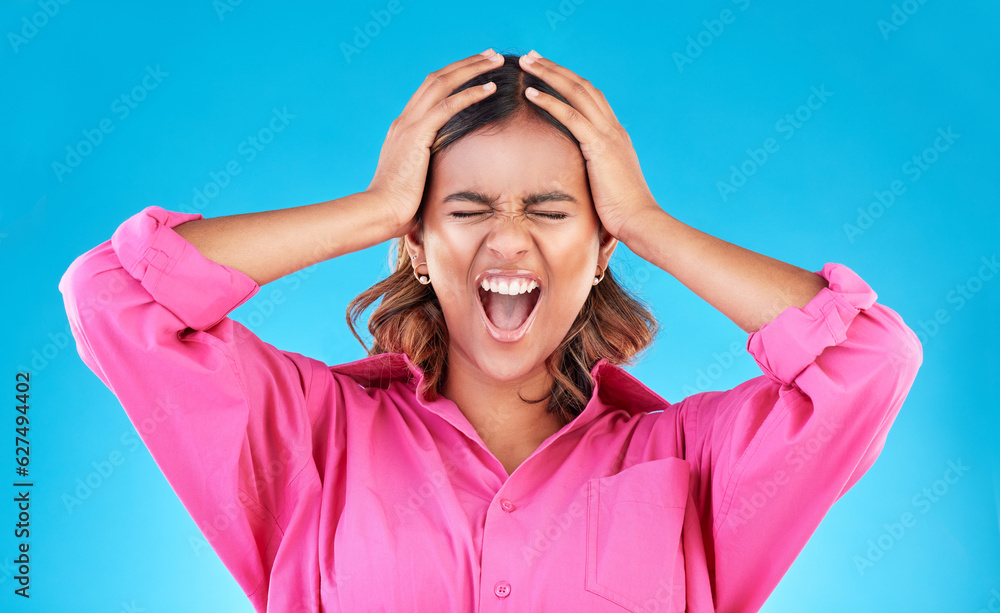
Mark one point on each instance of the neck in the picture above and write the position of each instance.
(510, 428)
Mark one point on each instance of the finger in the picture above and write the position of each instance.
(441, 83)
(418, 95)
(607, 106)
(487, 54)
(444, 110)
(579, 92)
(458, 63)
(581, 127)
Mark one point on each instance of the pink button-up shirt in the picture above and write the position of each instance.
(340, 488)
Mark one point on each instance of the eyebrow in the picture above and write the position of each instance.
(536, 198)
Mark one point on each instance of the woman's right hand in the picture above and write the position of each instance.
(398, 184)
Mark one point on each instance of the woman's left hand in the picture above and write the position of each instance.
(617, 186)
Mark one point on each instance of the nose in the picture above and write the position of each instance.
(508, 239)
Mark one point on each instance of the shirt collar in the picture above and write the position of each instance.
(380, 370)
(614, 389)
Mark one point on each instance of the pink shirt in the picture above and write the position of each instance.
(338, 488)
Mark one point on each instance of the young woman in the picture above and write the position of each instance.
(491, 453)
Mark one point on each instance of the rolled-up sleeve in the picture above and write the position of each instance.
(773, 454)
(223, 414)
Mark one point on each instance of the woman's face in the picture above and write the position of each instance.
(510, 208)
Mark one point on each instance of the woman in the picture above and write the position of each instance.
(490, 454)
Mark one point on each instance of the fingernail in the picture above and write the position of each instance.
(534, 54)
(487, 53)
(527, 59)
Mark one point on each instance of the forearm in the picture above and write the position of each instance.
(749, 288)
(271, 244)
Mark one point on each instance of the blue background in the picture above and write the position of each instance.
(693, 107)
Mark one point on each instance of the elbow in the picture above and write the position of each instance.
(897, 355)
(77, 284)
(96, 290)
(905, 352)
(90, 282)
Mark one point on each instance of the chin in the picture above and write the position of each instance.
(505, 365)
(508, 362)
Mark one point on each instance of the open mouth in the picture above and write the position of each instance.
(509, 316)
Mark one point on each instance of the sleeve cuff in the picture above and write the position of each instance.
(199, 291)
(788, 344)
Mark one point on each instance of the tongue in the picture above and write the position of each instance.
(507, 312)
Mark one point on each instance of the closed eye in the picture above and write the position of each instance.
(464, 214)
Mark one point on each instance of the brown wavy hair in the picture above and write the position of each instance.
(612, 323)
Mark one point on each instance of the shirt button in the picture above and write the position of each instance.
(502, 589)
(507, 505)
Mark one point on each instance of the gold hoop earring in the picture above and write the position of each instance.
(600, 278)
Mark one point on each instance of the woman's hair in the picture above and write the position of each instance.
(612, 323)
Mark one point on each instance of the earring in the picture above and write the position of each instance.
(421, 278)
(600, 278)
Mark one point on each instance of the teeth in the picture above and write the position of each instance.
(510, 287)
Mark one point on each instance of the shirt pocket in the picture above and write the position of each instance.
(634, 520)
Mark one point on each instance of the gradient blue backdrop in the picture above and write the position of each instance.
(695, 86)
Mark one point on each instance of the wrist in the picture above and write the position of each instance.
(384, 216)
(638, 225)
